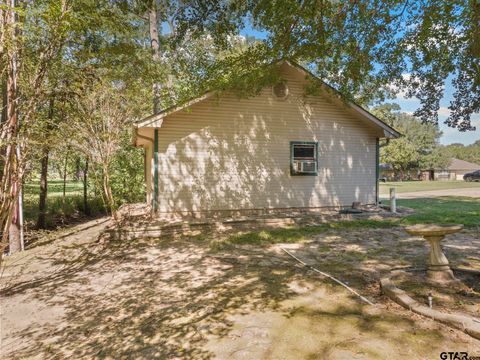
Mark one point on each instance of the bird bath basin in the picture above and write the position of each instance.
(438, 267)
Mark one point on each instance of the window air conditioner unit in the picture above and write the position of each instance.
(305, 167)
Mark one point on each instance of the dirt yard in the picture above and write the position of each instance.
(87, 297)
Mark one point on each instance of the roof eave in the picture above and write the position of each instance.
(156, 120)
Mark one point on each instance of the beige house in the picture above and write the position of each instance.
(454, 171)
(221, 154)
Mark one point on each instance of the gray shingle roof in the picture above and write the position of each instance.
(456, 164)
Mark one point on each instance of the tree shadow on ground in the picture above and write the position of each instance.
(145, 299)
(164, 298)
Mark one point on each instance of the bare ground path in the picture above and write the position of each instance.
(84, 297)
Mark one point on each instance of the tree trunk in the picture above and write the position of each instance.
(4, 119)
(77, 169)
(65, 176)
(86, 209)
(42, 208)
(108, 194)
(14, 245)
(11, 180)
(155, 46)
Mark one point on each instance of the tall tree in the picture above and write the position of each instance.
(416, 149)
(469, 153)
(367, 49)
(25, 74)
(98, 125)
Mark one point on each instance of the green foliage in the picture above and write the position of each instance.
(418, 148)
(469, 153)
(127, 173)
(366, 49)
(437, 159)
(401, 154)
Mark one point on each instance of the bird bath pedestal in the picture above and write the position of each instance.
(438, 267)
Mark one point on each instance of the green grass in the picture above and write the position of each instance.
(443, 210)
(296, 234)
(59, 211)
(413, 186)
(55, 188)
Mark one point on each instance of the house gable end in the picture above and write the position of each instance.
(329, 93)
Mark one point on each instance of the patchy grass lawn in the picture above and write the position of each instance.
(175, 298)
(232, 295)
(414, 186)
(462, 298)
(443, 210)
(294, 234)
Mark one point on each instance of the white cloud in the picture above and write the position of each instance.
(452, 135)
(444, 111)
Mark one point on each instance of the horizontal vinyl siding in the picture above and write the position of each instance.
(232, 153)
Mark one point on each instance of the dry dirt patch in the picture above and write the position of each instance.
(462, 298)
(82, 297)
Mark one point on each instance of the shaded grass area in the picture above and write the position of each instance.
(413, 186)
(60, 210)
(445, 210)
(296, 233)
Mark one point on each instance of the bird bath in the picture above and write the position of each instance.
(438, 267)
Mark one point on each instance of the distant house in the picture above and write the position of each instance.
(282, 149)
(388, 174)
(454, 171)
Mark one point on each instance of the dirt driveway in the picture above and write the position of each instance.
(82, 297)
(468, 192)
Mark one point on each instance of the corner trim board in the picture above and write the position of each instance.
(377, 171)
(155, 172)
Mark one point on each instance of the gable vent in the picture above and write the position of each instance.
(280, 90)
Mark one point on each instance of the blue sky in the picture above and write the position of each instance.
(450, 135)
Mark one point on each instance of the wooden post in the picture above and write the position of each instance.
(393, 200)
